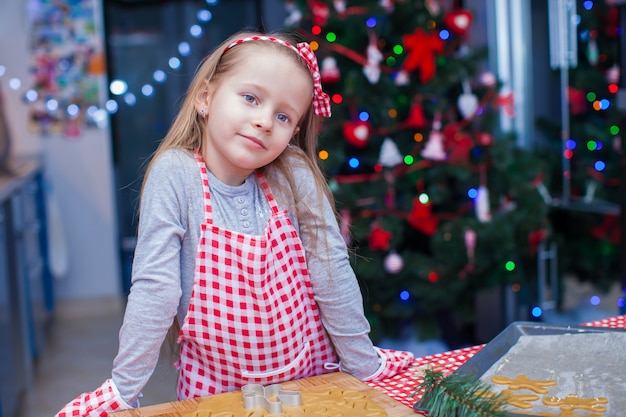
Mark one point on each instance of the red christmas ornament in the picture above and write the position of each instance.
(484, 139)
(320, 12)
(422, 50)
(416, 119)
(534, 239)
(330, 71)
(457, 143)
(379, 238)
(458, 21)
(422, 219)
(577, 101)
(357, 133)
(459, 148)
(450, 131)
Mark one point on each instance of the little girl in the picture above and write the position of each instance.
(238, 240)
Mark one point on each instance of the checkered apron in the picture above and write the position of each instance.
(252, 317)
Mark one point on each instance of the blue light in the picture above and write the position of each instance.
(599, 146)
(130, 99)
(353, 162)
(472, 193)
(72, 111)
(184, 48)
(204, 15)
(111, 106)
(477, 152)
(147, 90)
(594, 300)
(371, 22)
(118, 87)
(159, 76)
(52, 105)
(588, 5)
(584, 35)
(211, 2)
(536, 312)
(174, 63)
(571, 144)
(444, 34)
(31, 96)
(604, 104)
(620, 302)
(599, 166)
(195, 31)
(404, 295)
(364, 116)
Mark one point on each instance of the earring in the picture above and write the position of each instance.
(202, 114)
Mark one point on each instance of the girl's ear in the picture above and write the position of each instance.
(202, 98)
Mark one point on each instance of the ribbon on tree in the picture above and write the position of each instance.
(422, 50)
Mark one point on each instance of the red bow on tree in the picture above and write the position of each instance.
(379, 238)
(422, 50)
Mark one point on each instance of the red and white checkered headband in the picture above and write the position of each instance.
(321, 101)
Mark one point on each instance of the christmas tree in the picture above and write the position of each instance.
(436, 205)
(586, 220)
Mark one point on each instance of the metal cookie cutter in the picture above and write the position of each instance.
(258, 396)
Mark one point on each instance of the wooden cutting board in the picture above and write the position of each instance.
(333, 380)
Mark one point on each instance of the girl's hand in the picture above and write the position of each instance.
(99, 403)
(392, 362)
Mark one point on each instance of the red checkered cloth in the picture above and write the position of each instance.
(99, 403)
(401, 386)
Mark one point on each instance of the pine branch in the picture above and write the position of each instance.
(457, 396)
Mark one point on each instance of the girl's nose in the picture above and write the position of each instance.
(263, 120)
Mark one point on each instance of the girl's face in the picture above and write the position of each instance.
(253, 112)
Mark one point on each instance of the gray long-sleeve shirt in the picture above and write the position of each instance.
(172, 212)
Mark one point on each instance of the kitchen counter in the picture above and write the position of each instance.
(393, 394)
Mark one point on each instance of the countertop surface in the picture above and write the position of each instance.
(332, 380)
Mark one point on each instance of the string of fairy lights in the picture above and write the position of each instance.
(121, 92)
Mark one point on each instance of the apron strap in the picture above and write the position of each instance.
(265, 186)
(208, 212)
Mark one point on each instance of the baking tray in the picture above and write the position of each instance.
(480, 363)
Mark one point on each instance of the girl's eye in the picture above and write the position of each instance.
(283, 117)
(249, 98)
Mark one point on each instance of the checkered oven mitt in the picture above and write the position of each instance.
(99, 403)
(392, 362)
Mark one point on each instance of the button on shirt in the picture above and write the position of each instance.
(244, 198)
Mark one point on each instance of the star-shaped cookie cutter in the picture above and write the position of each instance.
(271, 398)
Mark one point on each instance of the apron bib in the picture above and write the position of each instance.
(252, 317)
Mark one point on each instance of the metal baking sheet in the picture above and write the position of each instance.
(480, 363)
